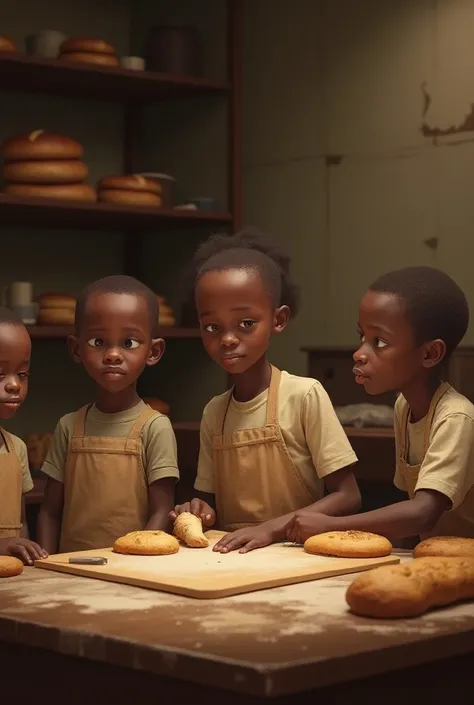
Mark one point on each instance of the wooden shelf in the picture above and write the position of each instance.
(57, 332)
(42, 213)
(353, 432)
(194, 426)
(27, 74)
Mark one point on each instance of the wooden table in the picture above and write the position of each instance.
(86, 641)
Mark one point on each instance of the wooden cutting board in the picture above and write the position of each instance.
(202, 573)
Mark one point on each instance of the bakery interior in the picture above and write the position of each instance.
(343, 129)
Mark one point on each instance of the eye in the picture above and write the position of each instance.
(379, 343)
(23, 375)
(211, 328)
(131, 344)
(361, 336)
(247, 323)
(95, 342)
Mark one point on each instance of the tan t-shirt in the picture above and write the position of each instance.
(448, 466)
(159, 453)
(312, 432)
(22, 453)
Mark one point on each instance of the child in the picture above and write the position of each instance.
(410, 322)
(15, 478)
(112, 465)
(272, 443)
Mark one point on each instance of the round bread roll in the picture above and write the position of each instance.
(62, 192)
(129, 182)
(90, 58)
(51, 300)
(147, 543)
(130, 198)
(10, 566)
(87, 45)
(349, 544)
(157, 405)
(40, 144)
(166, 321)
(48, 172)
(7, 45)
(56, 317)
(445, 546)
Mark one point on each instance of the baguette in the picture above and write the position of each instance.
(445, 546)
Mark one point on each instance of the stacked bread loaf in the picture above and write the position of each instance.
(56, 309)
(88, 51)
(44, 164)
(7, 45)
(129, 189)
(166, 317)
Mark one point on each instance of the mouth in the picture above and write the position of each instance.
(113, 372)
(231, 359)
(11, 403)
(360, 376)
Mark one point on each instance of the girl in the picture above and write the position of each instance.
(272, 443)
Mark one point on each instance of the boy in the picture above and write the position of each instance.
(15, 478)
(112, 465)
(273, 443)
(410, 321)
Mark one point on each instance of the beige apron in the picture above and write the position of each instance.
(450, 523)
(11, 490)
(255, 478)
(105, 488)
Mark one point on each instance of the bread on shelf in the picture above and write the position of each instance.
(7, 45)
(40, 145)
(48, 172)
(56, 309)
(157, 405)
(62, 192)
(166, 317)
(88, 51)
(129, 189)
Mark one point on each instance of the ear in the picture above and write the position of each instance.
(73, 347)
(281, 317)
(157, 349)
(434, 353)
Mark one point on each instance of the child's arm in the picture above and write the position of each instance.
(414, 516)
(50, 515)
(161, 501)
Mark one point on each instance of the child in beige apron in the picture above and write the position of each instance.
(11, 490)
(105, 489)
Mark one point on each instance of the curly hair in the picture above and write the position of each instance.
(435, 305)
(249, 250)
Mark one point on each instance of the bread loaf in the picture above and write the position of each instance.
(445, 546)
(49, 172)
(188, 528)
(7, 45)
(129, 182)
(10, 566)
(90, 58)
(63, 192)
(55, 317)
(87, 45)
(410, 589)
(130, 198)
(52, 300)
(349, 544)
(147, 543)
(41, 145)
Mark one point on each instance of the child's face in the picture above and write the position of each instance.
(388, 358)
(15, 353)
(115, 343)
(237, 317)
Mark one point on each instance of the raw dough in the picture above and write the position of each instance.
(349, 544)
(444, 546)
(147, 543)
(410, 589)
(10, 566)
(188, 528)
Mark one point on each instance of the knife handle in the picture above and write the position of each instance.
(99, 560)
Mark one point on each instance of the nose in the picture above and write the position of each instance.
(113, 356)
(360, 356)
(12, 384)
(229, 340)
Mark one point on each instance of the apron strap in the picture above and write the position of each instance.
(272, 402)
(402, 454)
(8, 440)
(223, 413)
(137, 427)
(80, 421)
(442, 389)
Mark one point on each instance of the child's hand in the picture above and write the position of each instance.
(28, 551)
(245, 539)
(197, 507)
(306, 524)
